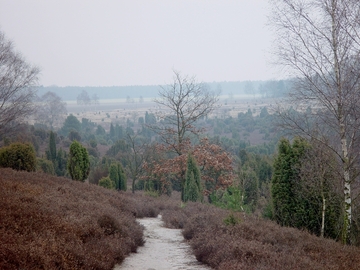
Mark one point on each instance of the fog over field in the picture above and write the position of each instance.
(93, 43)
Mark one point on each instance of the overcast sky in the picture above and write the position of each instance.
(140, 42)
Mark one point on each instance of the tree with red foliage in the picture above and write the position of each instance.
(182, 104)
(215, 164)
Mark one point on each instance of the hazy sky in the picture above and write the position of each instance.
(140, 42)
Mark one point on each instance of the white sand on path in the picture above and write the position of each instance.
(164, 249)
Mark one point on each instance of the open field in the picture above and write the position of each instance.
(119, 110)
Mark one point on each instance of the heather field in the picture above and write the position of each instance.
(226, 240)
(54, 223)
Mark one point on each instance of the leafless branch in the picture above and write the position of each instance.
(17, 82)
(181, 104)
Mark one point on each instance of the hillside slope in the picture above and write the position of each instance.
(237, 241)
(55, 223)
(49, 222)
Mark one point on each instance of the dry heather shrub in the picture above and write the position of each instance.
(54, 223)
(174, 219)
(109, 225)
(254, 243)
(143, 205)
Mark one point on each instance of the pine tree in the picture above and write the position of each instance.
(61, 162)
(112, 131)
(114, 175)
(51, 154)
(287, 200)
(78, 163)
(192, 185)
(122, 178)
(52, 148)
(282, 188)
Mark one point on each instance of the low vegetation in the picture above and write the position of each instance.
(18, 156)
(49, 222)
(233, 240)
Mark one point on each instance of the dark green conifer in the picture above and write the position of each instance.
(286, 182)
(122, 178)
(192, 185)
(52, 148)
(78, 163)
(114, 175)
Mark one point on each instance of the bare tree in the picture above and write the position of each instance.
(17, 82)
(139, 154)
(51, 110)
(95, 100)
(317, 173)
(181, 104)
(319, 42)
(83, 98)
(129, 99)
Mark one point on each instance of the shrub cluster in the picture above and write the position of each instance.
(49, 222)
(231, 240)
(18, 156)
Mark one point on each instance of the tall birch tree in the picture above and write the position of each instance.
(318, 43)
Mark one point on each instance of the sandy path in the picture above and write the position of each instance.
(164, 249)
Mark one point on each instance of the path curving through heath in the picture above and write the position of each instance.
(164, 249)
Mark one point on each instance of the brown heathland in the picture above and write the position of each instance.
(226, 240)
(49, 222)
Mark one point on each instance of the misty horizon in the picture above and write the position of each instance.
(125, 43)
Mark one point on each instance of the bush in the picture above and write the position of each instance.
(97, 173)
(102, 141)
(45, 166)
(49, 222)
(74, 136)
(93, 143)
(18, 156)
(224, 239)
(93, 152)
(106, 182)
(231, 198)
(231, 220)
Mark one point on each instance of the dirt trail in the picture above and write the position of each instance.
(164, 249)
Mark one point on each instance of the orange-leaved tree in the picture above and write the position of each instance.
(215, 164)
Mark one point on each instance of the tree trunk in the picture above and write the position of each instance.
(323, 216)
(341, 118)
(345, 236)
(133, 185)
